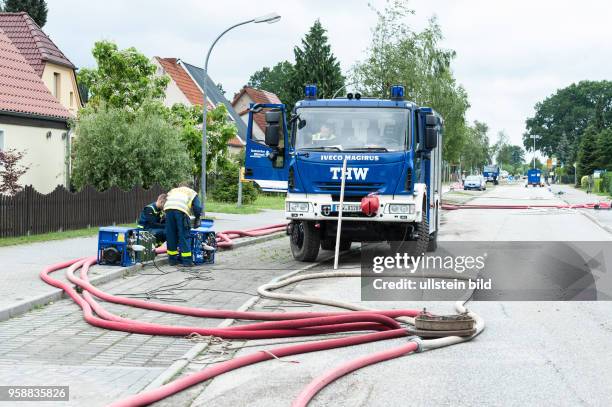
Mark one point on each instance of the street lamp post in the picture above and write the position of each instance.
(268, 18)
(534, 150)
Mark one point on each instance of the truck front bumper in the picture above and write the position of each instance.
(321, 207)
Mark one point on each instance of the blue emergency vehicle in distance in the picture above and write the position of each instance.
(393, 184)
(534, 178)
(491, 173)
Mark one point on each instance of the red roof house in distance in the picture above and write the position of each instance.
(186, 83)
(32, 120)
(47, 60)
(244, 98)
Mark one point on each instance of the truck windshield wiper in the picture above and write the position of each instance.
(324, 148)
(368, 149)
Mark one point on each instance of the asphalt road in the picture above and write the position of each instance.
(531, 353)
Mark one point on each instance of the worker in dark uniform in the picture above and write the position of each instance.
(181, 204)
(152, 219)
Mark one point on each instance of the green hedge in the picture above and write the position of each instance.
(225, 188)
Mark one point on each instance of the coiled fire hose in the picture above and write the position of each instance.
(279, 325)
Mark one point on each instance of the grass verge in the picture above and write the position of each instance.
(263, 201)
(46, 237)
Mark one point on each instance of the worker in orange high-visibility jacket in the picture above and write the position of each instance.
(181, 204)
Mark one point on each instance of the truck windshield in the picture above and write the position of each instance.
(352, 129)
(490, 168)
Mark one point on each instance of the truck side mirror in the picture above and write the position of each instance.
(431, 138)
(273, 119)
(272, 135)
(431, 132)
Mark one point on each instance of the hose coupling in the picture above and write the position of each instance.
(419, 342)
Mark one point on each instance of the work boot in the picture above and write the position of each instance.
(173, 261)
(187, 265)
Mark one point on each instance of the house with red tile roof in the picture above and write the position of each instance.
(185, 86)
(242, 101)
(32, 120)
(50, 64)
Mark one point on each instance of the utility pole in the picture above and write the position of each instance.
(268, 18)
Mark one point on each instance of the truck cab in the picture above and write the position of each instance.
(392, 150)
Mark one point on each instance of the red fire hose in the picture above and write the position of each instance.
(599, 205)
(224, 239)
(326, 378)
(278, 325)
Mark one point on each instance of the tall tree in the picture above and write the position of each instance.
(122, 78)
(588, 157)
(315, 63)
(604, 149)
(397, 54)
(566, 115)
(37, 9)
(475, 149)
(276, 80)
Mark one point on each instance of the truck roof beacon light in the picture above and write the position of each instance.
(397, 92)
(310, 91)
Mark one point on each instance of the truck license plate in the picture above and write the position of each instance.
(347, 207)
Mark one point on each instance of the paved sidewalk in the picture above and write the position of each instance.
(574, 195)
(22, 289)
(53, 345)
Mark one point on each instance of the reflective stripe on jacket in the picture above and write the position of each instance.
(180, 199)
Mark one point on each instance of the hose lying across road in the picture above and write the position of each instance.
(599, 205)
(385, 323)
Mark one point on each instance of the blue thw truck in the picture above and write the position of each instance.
(491, 173)
(534, 178)
(393, 153)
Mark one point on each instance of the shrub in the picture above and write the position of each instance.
(225, 187)
(606, 183)
(116, 147)
(584, 182)
(597, 185)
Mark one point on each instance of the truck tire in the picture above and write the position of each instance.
(432, 246)
(305, 240)
(330, 244)
(422, 239)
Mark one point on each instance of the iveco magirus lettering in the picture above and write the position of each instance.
(393, 154)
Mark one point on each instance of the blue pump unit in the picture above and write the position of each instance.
(114, 246)
(203, 243)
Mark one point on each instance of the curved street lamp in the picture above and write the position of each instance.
(268, 18)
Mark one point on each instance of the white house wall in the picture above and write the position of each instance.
(45, 156)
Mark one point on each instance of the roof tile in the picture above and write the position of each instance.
(182, 80)
(21, 88)
(31, 41)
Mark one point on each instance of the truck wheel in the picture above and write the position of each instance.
(422, 239)
(330, 244)
(432, 246)
(305, 240)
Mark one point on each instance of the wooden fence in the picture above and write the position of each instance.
(30, 212)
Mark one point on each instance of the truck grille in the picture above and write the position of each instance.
(354, 188)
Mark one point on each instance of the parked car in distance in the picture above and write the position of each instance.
(476, 182)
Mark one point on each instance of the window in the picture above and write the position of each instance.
(71, 99)
(57, 85)
(1, 139)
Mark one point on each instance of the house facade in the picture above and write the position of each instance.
(32, 121)
(186, 84)
(243, 99)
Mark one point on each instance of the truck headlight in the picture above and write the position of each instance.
(401, 208)
(297, 206)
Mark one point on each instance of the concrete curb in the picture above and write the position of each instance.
(57, 294)
(590, 217)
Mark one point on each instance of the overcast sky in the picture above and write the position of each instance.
(510, 53)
